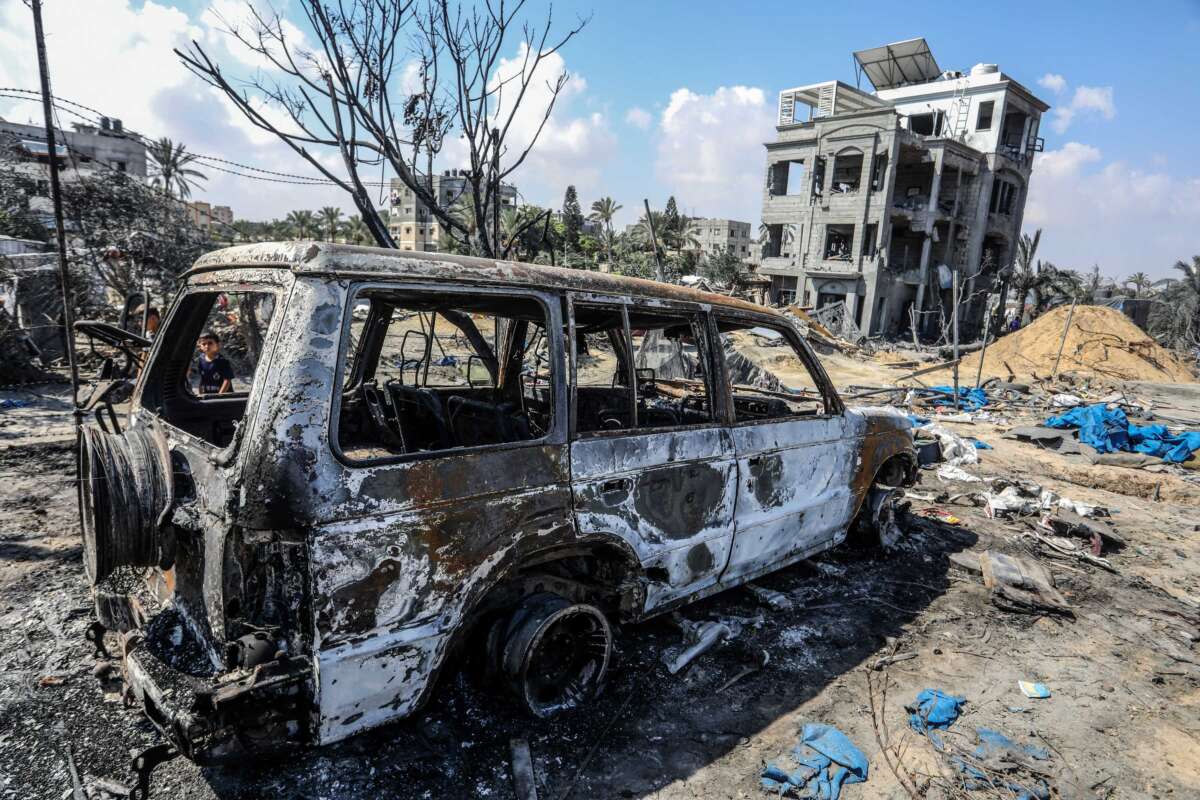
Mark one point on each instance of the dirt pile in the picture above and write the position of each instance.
(1101, 342)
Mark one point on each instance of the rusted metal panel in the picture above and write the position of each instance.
(349, 261)
(669, 495)
(794, 488)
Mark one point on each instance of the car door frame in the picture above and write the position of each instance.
(676, 567)
(770, 504)
(414, 541)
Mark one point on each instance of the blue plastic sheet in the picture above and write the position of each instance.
(1109, 431)
(969, 399)
(827, 761)
(933, 708)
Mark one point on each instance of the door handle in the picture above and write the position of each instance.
(616, 485)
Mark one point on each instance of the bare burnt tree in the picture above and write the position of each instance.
(355, 93)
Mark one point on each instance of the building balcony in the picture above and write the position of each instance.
(779, 265)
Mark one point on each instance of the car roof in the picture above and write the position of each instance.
(352, 261)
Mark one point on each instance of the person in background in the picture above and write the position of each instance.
(216, 373)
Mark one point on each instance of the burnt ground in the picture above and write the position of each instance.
(1124, 718)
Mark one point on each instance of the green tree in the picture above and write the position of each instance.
(572, 216)
(1175, 321)
(603, 211)
(1140, 282)
(170, 171)
(302, 224)
(331, 221)
(356, 231)
(723, 268)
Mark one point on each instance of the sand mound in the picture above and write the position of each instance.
(1101, 342)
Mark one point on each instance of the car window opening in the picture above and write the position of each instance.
(652, 373)
(769, 376)
(428, 372)
(212, 346)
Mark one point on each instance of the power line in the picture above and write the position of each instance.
(300, 179)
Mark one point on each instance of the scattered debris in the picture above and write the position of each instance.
(777, 601)
(524, 782)
(826, 761)
(949, 472)
(1020, 585)
(1034, 691)
(887, 661)
(935, 709)
(702, 635)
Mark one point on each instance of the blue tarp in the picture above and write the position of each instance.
(968, 399)
(1109, 431)
(933, 708)
(821, 747)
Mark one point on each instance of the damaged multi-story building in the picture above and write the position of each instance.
(876, 199)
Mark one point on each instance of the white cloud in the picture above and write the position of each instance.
(1053, 81)
(639, 118)
(572, 147)
(1123, 217)
(1096, 100)
(710, 154)
(130, 72)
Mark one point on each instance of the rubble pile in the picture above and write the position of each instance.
(1101, 342)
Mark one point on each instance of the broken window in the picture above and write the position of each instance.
(818, 185)
(786, 178)
(204, 392)
(929, 124)
(847, 171)
(869, 234)
(838, 239)
(983, 122)
(650, 371)
(770, 376)
(428, 372)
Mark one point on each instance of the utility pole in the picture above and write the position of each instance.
(56, 196)
(658, 267)
(957, 302)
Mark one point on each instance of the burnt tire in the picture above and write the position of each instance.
(552, 654)
(882, 521)
(123, 486)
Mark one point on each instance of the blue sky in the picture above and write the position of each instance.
(677, 98)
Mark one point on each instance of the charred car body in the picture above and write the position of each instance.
(427, 457)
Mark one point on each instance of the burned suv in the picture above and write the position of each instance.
(426, 460)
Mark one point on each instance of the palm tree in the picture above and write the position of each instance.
(1141, 282)
(356, 231)
(171, 170)
(302, 224)
(1025, 273)
(603, 211)
(1187, 292)
(331, 218)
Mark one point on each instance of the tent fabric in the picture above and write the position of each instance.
(969, 398)
(821, 747)
(1108, 430)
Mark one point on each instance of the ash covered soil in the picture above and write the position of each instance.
(1123, 719)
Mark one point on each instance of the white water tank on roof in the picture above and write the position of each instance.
(984, 69)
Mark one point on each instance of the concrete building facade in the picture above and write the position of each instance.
(216, 220)
(714, 236)
(411, 224)
(878, 198)
(85, 151)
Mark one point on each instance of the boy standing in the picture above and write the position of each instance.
(216, 373)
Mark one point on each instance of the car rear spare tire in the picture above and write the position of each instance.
(124, 486)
